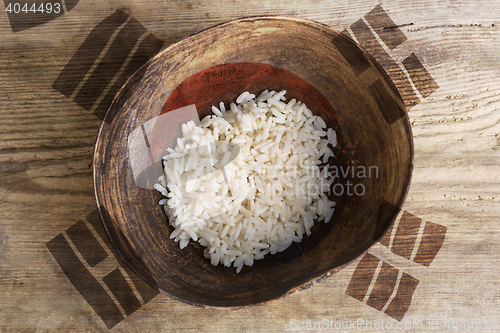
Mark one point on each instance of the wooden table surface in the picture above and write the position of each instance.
(436, 270)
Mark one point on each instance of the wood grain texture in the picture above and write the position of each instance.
(46, 144)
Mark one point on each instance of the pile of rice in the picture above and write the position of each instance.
(267, 197)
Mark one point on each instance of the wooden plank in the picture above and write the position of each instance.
(449, 56)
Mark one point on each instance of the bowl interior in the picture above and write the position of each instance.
(316, 65)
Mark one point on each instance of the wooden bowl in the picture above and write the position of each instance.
(333, 75)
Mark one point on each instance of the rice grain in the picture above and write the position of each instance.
(263, 200)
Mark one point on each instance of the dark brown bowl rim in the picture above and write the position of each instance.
(320, 277)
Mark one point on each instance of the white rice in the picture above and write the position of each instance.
(263, 200)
